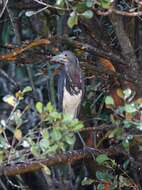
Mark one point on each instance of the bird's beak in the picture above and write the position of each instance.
(59, 59)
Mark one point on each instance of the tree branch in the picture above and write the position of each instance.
(132, 71)
(12, 55)
(94, 50)
(62, 158)
(118, 12)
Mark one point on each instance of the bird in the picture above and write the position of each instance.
(70, 83)
(70, 92)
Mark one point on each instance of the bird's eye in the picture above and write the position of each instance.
(65, 55)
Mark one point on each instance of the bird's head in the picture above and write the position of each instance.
(72, 68)
(66, 57)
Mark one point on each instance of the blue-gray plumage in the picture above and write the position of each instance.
(70, 83)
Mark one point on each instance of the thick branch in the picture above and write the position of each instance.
(62, 158)
(132, 70)
(126, 46)
(12, 55)
(118, 12)
(94, 50)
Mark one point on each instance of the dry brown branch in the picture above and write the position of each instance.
(12, 55)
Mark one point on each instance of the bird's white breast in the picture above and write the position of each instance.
(71, 102)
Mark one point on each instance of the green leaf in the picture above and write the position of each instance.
(102, 158)
(103, 175)
(109, 100)
(100, 187)
(81, 7)
(60, 3)
(25, 144)
(67, 119)
(1, 156)
(127, 93)
(78, 127)
(45, 134)
(11, 100)
(87, 181)
(75, 122)
(127, 124)
(30, 141)
(46, 169)
(44, 144)
(120, 110)
(117, 132)
(125, 144)
(54, 115)
(3, 143)
(61, 146)
(18, 134)
(70, 139)
(56, 134)
(130, 108)
(49, 107)
(52, 149)
(18, 121)
(39, 107)
(88, 14)
(27, 89)
(17, 117)
(35, 149)
(99, 175)
(105, 4)
(72, 20)
(89, 3)
(126, 164)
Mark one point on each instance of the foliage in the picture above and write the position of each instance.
(31, 128)
(54, 132)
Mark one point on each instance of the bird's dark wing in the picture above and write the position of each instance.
(83, 92)
(61, 81)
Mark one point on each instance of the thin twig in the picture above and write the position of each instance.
(4, 7)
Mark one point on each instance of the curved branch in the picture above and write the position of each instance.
(12, 55)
